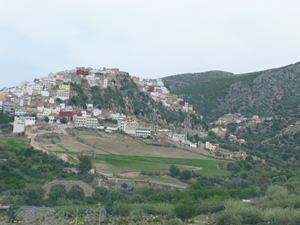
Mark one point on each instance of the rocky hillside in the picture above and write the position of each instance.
(124, 96)
(176, 82)
(268, 93)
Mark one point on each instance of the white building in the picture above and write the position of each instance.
(45, 93)
(143, 132)
(62, 105)
(55, 110)
(211, 147)
(89, 105)
(51, 118)
(51, 100)
(179, 137)
(44, 113)
(159, 82)
(84, 121)
(128, 126)
(97, 112)
(37, 88)
(117, 116)
(20, 112)
(63, 94)
(19, 125)
(29, 121)
(105, 83)
(40, 109)
(92, 80)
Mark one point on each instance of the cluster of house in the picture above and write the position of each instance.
(237, 118)
(230, 118)
(38, 99)
(214, 148)
(102, 77)
(160, 93)
(221, 132)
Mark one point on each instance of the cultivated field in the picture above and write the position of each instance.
(119, 153)
(122, 163)
(14, 142)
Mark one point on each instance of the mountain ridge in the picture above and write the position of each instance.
(251, 93)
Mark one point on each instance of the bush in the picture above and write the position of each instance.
(184, 212)
(76, 193)
(185, 175)
(33, 196)
(174, 171)
(85, 164)
(57, 191)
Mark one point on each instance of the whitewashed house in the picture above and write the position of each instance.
(19, 125)
(179, 137)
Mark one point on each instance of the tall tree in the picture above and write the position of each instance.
(85, 164)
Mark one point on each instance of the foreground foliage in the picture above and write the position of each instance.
(274, 194)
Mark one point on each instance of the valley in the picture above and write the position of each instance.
(204, 148)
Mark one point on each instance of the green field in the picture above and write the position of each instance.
(14, 142)
(114, 163)
(122, 163)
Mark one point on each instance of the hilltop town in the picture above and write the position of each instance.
(45, 98)
(49, 99)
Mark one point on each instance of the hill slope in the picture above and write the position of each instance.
(124, 96)
(269, 92)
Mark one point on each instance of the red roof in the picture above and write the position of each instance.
(65, 114)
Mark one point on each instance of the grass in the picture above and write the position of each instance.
(122, 163)
(111, 163)
(14, 142)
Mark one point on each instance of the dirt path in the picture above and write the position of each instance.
(38, 130)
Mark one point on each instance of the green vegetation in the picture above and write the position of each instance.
(81, 98)
(126, 98)
(213, 94)
(85, 164)
(174, 171)
(121, 163)
(5, 121)
(64, 120)
(21, 167)
(216, 189)
(14, 142)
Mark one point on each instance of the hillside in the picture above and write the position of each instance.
(272, 94)
(176, 82)
(265, 93)
(124, 96)
(156, 180)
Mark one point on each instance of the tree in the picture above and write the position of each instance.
(33, 196)
(229, 218)
(212, 134)
(185, 175)
(64, 120)
(58, 100)
(46, 119)
(136, 112)
(85, 164)
(236, 168)
(57, 191)
(174, 171)
(76, 193)
(248, 166)
(124, 185)
(184, 212)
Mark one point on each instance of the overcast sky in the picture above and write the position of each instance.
(146, 38)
